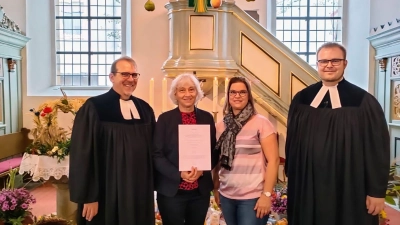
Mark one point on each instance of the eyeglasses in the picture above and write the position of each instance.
(241, 93)
(334, 62)
(126, 75)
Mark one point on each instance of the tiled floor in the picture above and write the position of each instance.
(45, 195)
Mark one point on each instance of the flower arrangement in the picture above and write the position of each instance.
(14, 202)
(279, 200)
(48, 138)
(51, 220)
(393, 188)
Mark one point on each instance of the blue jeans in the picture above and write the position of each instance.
(240, 212)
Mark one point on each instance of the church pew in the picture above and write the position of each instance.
(12, 147)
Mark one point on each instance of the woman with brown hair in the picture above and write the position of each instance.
(246, 174)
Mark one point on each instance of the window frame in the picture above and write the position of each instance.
(88, 18)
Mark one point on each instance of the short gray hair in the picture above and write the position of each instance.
(123, 58)
(178, 80)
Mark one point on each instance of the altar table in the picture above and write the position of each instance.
(49, 169)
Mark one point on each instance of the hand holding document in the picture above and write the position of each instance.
(194, 147)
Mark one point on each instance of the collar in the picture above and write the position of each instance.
(333, 95)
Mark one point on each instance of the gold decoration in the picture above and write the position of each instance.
(149, 5)
(200, 6)
(216, 3)
(396, 101)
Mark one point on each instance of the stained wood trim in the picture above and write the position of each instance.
(13, 144)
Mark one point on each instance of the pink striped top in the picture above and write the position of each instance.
(246, 178)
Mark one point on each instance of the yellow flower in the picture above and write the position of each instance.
(383, 214)
(284, 196)
(55, 149)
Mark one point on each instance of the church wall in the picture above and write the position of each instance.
(260, 6)
(390, 9)
(149, 47)
(355, 33)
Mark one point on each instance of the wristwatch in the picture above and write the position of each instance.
(267, 193)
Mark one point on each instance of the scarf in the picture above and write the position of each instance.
(227, 141)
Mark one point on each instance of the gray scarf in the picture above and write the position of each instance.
(227, 142)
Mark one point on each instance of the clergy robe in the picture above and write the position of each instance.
(110, 161)
(335, 156)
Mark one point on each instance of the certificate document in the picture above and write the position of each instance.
(194, 147)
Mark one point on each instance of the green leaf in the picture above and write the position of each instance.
(390, 200)
(397, 188)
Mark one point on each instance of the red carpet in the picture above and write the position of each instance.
(46, 203)
(392, 215)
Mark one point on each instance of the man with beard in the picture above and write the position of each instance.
(111, 175)
(337, 149)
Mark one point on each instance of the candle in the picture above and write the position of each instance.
(151, 98)
(164, 95)
(215, 95)
(226, 85)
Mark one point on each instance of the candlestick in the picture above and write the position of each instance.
(151, 96)
(226, 86)
(164, 95)
(215, 95)
(215, 116)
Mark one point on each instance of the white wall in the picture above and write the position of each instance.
(391, 9)
(150, 47)
(15, 10)
(259, 5)
(355, 33)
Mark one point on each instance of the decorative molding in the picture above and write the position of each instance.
(12, 39)
(202, 32)
(7, 23)
(386, 43)
(395, 66)
(293, 80)
(11, 64)
(395, 99)
(381, 28)
(269, 62)
(383, 64)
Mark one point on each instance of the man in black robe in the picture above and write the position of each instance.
(111, 174)
(337, 149)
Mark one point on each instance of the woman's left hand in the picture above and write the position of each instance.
(263, 206)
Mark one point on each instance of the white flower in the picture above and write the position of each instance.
(54, 149)
(38, 151)
(60, 152)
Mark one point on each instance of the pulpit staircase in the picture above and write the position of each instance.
(227, 42)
